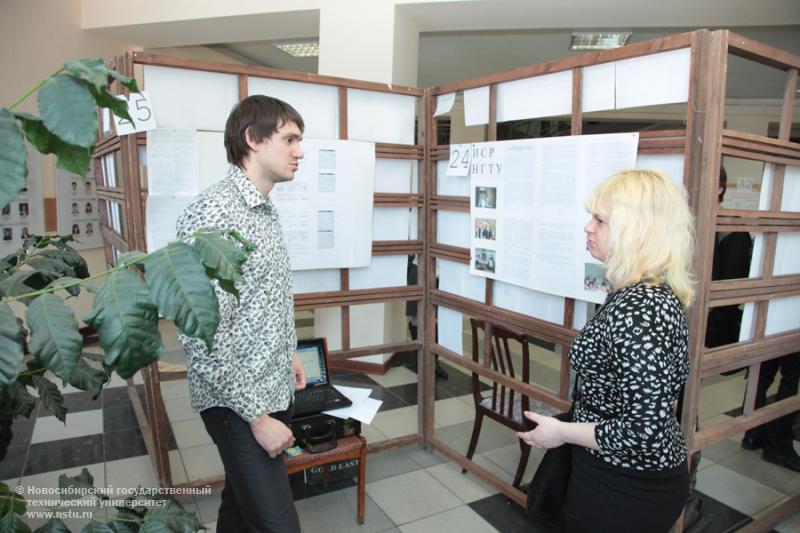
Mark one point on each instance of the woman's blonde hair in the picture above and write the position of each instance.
(651, 231)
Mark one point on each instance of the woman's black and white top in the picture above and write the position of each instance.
(632, 359)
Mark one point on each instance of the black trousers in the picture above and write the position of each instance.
(602, 498)
(777, 435)
(257, 496)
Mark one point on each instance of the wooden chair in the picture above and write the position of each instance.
(503, 404)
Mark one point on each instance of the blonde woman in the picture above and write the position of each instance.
(629, 470)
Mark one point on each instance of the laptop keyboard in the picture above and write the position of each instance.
(318, 396)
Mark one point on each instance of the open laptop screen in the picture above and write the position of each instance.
(313, 362)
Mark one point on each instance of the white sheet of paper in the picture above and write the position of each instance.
(172, 162)
(450, 185)
(385, 271)
(476, 106)
(395, 175)
(363, 408)
(655, 79)
(444, 103)
(783, 315)
(317, 104)
(140, 109)
(191, 98)
(212, 160)
(450, 328)
(547, 95)
(529, 302)
(456, 279)
(322, 210)
(597, 87)
(458, 163)
(390, 223)
(162, 215)
(452, 227)
(669, 164)
(380, 117)
(790, 199)
(327, 280)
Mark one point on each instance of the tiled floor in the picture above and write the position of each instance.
(408, 489)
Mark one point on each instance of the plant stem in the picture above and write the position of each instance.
(36, 88)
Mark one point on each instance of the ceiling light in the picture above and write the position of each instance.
(598, 40)
(301, 48)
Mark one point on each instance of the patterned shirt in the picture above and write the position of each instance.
(632, 359)
(249, 369)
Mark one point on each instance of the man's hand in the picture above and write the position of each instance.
(271, 434)
(299, 372)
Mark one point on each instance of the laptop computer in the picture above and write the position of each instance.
(319, 394)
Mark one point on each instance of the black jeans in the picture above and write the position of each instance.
(257, 496)
(777, 435)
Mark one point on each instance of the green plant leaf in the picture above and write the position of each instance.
(222, 260)
(117, 106)
(57, 284)
(83, 481)
(40, 262)
(35, 131)
(11, 345)
(87, 378)
(179, 287)
(247, 245)
(54, 334)
(54, 525)
(11, 502)
(92, 71)
(72, 158)
(71, 257)
(169, 518)
(13, 158)
(125, 521)
(50, 396)
(12, 523)
(126, 320)
(22, 401)
(133, 258)
(67, 109)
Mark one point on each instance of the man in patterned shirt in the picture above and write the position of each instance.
(244, 387)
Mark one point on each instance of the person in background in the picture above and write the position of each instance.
(629, 464)
(243, 388)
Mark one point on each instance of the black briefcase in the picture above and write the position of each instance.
(320, 432)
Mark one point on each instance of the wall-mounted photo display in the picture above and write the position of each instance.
(78, 213)
(24, 215)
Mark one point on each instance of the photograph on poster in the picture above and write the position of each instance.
(485, 228)
(7, 210)
(76, 230)
(23, 209)
(25, 234)
(484, 260)
(593, 278)
(486, 197)
(89, 228)
(8, 234)
(88, 209)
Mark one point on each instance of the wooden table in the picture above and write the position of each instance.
(354, 447)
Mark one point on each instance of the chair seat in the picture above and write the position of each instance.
(535, 405)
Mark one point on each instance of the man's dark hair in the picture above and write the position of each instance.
(262, 116)
(723, 182)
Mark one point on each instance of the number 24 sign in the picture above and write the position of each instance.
(458, 165)
(141, 111)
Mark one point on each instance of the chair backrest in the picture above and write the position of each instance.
(503, 398)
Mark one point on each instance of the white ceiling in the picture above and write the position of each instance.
(462, 39)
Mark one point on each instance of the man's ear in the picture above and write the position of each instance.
(249, 138)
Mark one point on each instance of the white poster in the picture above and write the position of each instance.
(527, 210)
(325, 209)
(172, 165)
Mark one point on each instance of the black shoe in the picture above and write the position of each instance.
(441, 373)
(787, 459)
(749, 442)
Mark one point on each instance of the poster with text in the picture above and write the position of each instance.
(527, 210)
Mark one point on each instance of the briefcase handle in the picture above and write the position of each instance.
(319, 443)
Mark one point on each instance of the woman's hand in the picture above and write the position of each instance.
(547, 433)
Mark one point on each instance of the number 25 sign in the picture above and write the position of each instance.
(141, 111)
